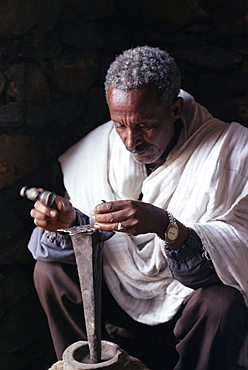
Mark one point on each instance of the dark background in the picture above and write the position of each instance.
(53, 58)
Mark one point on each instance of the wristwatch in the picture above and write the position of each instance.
(172, 230)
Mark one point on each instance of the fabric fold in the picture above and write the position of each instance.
(190, 184)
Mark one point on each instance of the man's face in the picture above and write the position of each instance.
(145, 127)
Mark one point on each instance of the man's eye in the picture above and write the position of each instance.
(119, 126)
(145, 127)
(148, 127)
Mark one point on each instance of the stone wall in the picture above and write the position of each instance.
(53, 58)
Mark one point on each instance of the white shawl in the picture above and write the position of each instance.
(203, 183)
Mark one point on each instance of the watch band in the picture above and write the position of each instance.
(171, 218)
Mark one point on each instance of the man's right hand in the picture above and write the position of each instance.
(52, 219)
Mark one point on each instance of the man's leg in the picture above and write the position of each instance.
(57, 285)
(58, 290)
(211, 329)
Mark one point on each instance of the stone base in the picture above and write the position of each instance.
(57, 366)
(135, 364)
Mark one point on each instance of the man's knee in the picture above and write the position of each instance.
(222, 300)
(220, 305)
(44, 280)
(43, 274)
(216, 297)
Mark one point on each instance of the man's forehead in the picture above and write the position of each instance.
(143, 94)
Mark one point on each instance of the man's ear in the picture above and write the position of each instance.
(176, 108)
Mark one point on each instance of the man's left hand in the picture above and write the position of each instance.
(131, 217)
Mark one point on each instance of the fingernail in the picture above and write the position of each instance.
(53, 213)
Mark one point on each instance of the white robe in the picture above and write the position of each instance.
(203, 183)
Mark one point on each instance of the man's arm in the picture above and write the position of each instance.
(191, 265)
(186, 257)
(50, 246)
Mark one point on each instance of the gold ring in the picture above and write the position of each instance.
(120, 227)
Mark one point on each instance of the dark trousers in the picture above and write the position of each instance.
(206, 334)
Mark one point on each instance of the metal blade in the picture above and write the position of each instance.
(87, 244)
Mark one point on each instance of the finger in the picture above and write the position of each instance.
(106, 226)
(42, 216)
(110, 206)
(42, 208)
(115, 226)
(109, 217)
(122, 228)
(41, 190)
(62, 204)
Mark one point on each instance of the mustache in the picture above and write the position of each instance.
(139, 149)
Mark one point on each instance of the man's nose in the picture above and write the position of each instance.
(133, 138)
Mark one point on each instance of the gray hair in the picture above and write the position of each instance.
(145, 65)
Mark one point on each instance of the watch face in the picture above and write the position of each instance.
(171, 233)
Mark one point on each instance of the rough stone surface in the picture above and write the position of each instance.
(74, 72)
(135, 364)
(54, 112)
(19, 155)
(27, 82)
(59, 365)
(18, 16)
(169, 12)
(53, 58)
(12, 114)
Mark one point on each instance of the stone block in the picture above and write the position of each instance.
(232, 13)
(81, 35)
(14, 239)
(12, 115)
(2, 82)
(38, 46)
(27, 316)
(97, 107)
(16, 283)
(19, 155)
(74, 72)
(30, 356)
(74, 32)
(56, 112)
(19, 16)
(26, 82)
(208, 58)
(235, 109)
(170, 13)
(96, 9)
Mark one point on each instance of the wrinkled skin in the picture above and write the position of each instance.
(131, 215)
(146, 128)
(144, 124)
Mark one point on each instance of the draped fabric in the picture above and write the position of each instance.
(203, 183)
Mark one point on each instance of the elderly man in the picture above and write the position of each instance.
(175, 183)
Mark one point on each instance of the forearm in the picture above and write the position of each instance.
(190, 264)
